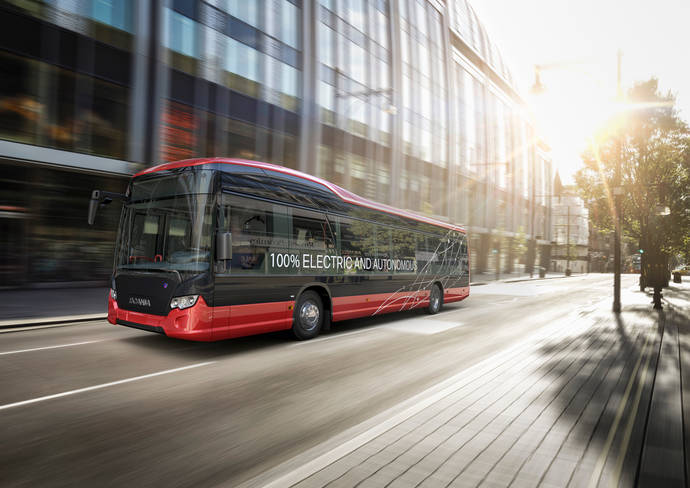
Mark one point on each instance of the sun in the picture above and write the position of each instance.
(568, 117)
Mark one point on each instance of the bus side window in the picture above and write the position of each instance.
(404, 246)
(383, 241)
(250, 239)
(310, 231)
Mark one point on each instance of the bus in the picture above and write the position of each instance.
(216, 248)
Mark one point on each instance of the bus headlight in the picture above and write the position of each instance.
(183, 302)
(113, 294)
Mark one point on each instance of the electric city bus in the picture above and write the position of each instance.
(211, 249)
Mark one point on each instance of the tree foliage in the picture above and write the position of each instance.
(653, 146)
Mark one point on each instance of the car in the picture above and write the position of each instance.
(680, 271)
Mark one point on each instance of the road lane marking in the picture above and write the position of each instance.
(50, 347)
(601, 461)
(103, 385)
(335, 335)
(423, 326)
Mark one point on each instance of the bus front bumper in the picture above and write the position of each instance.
(194, 323)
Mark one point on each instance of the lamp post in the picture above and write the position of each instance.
(539, 88)
(567, 244)
(618, 192)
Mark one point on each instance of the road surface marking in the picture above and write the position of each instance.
(335, 335)
(49, 347)
(631, 421)
(422, 326)
(104, 385)
(599, 467)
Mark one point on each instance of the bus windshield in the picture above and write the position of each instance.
(167, 224)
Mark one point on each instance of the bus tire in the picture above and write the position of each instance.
(308, 317)
(435, 300)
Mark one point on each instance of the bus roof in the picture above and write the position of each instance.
(343, 194)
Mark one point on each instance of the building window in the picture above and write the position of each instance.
(116, 13)
(180, 33)
(246, 11)
(242, 60)
(290, 24)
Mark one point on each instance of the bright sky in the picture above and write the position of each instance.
(586, 34)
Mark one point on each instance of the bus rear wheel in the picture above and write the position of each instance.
(308, 316)
(435, 300)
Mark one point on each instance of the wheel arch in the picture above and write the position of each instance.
(440, 285)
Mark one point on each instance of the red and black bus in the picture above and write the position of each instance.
(211, 249)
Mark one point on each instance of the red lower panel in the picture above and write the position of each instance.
(257, 318)
(352, 307)
(364, 305)
(193, 323)
(204, 323)
(455, 294)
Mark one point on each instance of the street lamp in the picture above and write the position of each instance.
(539, 88)
(618, 193)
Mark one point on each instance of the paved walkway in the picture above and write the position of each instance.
(595, 400)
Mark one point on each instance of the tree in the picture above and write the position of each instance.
(653, 145)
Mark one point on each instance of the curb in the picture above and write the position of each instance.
(14, 323)
(517, 280)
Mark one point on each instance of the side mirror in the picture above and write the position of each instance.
(93, 205)
(99, 197)
(224, 246)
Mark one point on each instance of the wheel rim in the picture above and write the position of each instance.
(435, 298)
(309, 315)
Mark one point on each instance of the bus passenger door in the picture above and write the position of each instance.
(253, 289)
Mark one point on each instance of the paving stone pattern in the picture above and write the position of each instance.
(571, 410)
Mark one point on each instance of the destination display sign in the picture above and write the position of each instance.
(309, 261)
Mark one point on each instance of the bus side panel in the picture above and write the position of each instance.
(455, 293)
(451, 295)
(250, 319)
(350, 307)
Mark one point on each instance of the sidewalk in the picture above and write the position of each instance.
(41, 306)
(595, 400)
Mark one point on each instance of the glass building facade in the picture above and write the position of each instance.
(407, 102)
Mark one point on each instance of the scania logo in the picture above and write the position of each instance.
(142, 302)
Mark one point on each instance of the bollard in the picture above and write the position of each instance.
(657, 298)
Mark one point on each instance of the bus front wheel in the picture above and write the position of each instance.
(308, 316)
(435, 300)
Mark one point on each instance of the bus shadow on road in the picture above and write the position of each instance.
(203, 351)
(169, 346)
(352, 325)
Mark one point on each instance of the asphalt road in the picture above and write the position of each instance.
(102, 405)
